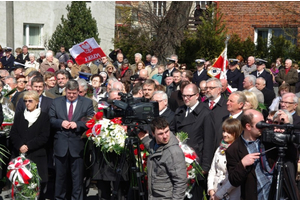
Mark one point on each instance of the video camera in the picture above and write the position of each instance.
(280, 139)
(135, 112)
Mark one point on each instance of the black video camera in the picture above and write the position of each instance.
(135, 112)
(280, 139)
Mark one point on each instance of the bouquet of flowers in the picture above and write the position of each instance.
(25, 179)
(193, 169)
(107, 134)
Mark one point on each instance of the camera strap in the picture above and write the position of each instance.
(263, 160)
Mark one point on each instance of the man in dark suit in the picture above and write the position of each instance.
(217, 104)
(162, 99)
(37, 84)
(197, 121)
(243, 160)
(235, 77)
(8, 60)
(65, 117)
(169, 71)
(201, 73)
(269, 95)
(262, 72)
(24, 56)
(235, 104)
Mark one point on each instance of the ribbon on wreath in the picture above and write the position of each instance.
(18, 172)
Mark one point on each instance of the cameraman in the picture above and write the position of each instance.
(165, 166)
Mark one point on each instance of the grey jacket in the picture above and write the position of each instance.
(166, 169)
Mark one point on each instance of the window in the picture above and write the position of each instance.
(32, 35)
(266, 33)
(159, 8)
(203, 4)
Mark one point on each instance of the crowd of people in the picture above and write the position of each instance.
(50, 96)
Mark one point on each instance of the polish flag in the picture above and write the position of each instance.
(86, 51)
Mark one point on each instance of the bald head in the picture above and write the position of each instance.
(143, 74)
(251, 60)
(224, 83)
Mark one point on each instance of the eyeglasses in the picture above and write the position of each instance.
(22, 82)
(276, 122)
(211, 88)
(285, 102)
(188, 96)
(29, 101)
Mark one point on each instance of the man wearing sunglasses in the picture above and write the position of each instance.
(196, 119)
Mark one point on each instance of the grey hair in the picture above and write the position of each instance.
(242, 98)
(114, 83)
(42, 53)
(72, 85)
(287, 113)
(13, 78)
(289, 60)
(49, 54)
(252, 78)
(139, 55)
(163, 94)
(174, 55)
(217, 81)
(83, 83)
(295, 98)
(262, 79)
(31, 54)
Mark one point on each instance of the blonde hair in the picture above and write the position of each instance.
(31, 94)
(251, 98)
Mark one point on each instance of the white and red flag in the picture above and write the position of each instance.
(86, 51)
(218, 69)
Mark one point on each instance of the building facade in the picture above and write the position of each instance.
(32, 23)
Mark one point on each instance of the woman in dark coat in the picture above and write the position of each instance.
(30, 133)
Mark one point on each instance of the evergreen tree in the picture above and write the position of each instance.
(78, 26)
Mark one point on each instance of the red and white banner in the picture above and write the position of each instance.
(218, 69)
(86, 51)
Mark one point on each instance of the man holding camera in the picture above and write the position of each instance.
(165, 166)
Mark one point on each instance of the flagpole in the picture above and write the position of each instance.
(223, 72)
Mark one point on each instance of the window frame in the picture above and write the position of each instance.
(26, 30)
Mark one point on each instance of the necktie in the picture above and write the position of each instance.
(70, 115)
(211, 105)
(188, 111)
(258, 73)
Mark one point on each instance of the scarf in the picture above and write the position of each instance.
(124, 70)
(32, 116)
(223, 146)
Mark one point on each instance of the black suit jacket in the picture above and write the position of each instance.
(69, 139)
(267, 76)
(8, 64)
(169, 116)
(235, 79)
(199, 125)
(45, 105)
(269, 95)
(296, 119)
(220, 111)
(20, 58)
(197, 79)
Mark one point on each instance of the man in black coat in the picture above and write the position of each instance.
(262, 72)
(24, 56)
(235, 77)
(8, 60)
(218, 105)
(269, 95)
(169, 71)
(197, 120)
(65, 117)
(162, 99)
(201, 73)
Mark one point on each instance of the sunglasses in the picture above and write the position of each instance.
(30, 101)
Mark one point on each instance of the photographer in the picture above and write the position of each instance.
(165, 166)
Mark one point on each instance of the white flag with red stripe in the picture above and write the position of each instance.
(86, 51)
(218, 69)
